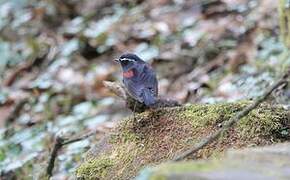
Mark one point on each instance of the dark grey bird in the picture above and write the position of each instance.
(139, 79)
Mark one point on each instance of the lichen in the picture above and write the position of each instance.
(159, 135)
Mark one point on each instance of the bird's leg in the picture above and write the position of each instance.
(134, 118)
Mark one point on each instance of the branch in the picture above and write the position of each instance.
(78, 139)
(59, 142)
(57, 146)
(22, 68)
(116, 88)
(233, 120)
(134, 105)
(16, 111)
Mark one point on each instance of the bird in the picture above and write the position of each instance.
(139, 79)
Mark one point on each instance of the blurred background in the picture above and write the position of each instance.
(54, 55)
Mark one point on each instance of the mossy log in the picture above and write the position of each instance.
(159, 135)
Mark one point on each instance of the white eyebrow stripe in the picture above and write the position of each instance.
(126, 59)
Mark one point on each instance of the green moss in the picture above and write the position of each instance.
(263, 122)
(95, 168)
(156, 136)
(203, 115)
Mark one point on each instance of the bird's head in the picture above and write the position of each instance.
(128, 61)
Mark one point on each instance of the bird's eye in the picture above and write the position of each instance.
(125, 63)
(152, 90)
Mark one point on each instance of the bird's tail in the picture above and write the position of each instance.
(148, 97)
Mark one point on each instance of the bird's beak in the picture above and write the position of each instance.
(117, 60)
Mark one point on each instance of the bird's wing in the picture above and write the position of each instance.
(133, 89)
(148, 77)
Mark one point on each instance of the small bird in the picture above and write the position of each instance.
(139, 79)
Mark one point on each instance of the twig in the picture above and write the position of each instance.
(57, 146)
(22, 68)
(233, 120)
(59, 142)
(116, 88)
(16, 111)
(78, 139)
(133, 104)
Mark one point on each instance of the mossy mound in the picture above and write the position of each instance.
(156, 136)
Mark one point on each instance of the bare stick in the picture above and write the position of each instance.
(78, 139)
(57, 146)
(59, 142)
(22, 68)
(119, 90)
(116, 88)
(233, 120)
(16, 111)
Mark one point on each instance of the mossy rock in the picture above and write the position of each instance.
(270, 162)
(159, 135)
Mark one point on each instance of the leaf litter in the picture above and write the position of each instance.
(57, 53)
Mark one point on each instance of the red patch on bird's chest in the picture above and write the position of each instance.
(128, 74)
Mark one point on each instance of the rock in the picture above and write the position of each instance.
(270, 162)
(159, 135)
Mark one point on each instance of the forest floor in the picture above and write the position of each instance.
(56, 54)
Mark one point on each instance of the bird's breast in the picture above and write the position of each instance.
(128, 74)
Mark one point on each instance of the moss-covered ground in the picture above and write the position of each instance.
(159, 135)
